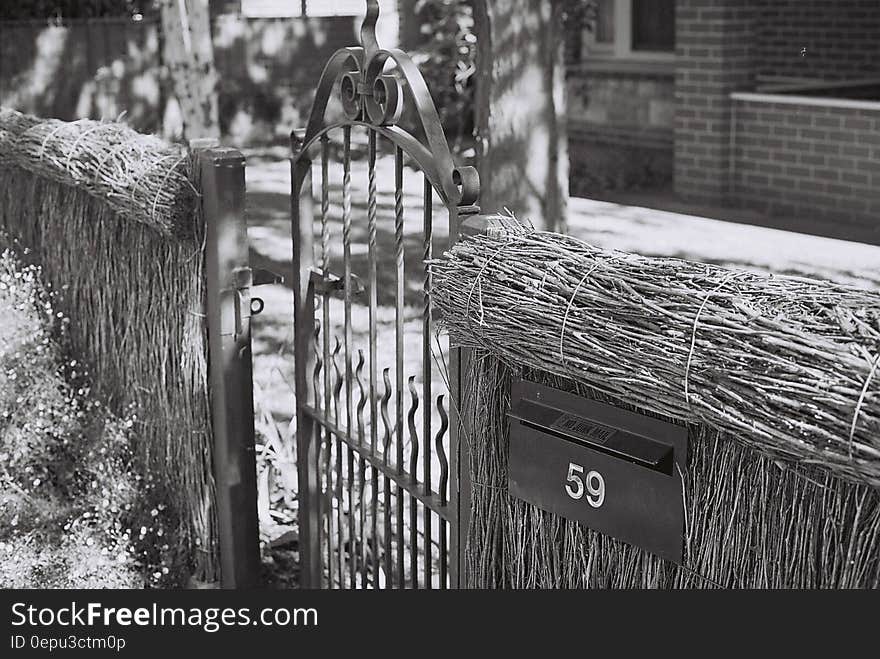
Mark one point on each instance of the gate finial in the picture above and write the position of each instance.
(368, 28)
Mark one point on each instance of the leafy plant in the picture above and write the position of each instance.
(447, 60)
(76, 508)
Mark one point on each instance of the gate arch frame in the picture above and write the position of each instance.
(373, 99)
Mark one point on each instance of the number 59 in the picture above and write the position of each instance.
(594, 483)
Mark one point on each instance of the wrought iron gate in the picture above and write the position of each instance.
(378, 487)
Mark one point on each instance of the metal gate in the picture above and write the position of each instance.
(378, 459)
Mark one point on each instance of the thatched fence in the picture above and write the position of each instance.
(112, 217)
(775, 379)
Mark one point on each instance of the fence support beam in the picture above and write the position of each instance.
(230, 367)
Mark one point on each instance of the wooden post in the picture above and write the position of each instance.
(228, 309)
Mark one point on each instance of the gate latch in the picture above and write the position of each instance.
(243, 279)
(334, 285)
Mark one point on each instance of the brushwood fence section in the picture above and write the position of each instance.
(114, 219)
(773, 379)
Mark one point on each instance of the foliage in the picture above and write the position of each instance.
(75, 509)
(447, 56)
(59, 9)
(577, 16)
(447, 60)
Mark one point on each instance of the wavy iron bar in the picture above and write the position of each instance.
(362, 467)
(442, 485)
(413, 502)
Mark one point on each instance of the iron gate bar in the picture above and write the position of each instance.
(346, 240)
(398, 348)
(427, 253)
(389, 474)
(373, 339)
(334, 454)
(308, 472)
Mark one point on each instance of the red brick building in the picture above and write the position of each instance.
(767, 105)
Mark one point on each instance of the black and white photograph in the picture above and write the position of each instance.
(304, 295)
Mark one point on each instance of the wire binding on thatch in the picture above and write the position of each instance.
(785, 365)
(140, 177)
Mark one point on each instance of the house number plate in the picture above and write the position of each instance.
(612, 470)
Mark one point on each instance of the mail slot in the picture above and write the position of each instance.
(616, 471)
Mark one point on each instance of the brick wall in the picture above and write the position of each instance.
(811, 160)
(620, 128)
(842, 38)
(714, 41)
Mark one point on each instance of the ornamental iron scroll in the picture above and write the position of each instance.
(370, 83)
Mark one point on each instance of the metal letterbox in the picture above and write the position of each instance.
(615, 471)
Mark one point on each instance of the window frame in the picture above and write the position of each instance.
(621, 47)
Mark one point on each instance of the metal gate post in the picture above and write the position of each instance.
(458, 448)
(228, 307)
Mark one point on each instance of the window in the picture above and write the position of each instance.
(605, 22)
(298, 8)
(634, 29)
(653, 25)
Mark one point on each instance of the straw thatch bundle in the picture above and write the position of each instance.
(774, 378)
(115, 242)
(787, 365)
(139, 176)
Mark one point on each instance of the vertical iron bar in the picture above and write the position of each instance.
(442, 488)
(459, 478)
(362, 471)
(386, 449)
(335, 492)
(308, 434)
(414, 483)
(228, 305)
(325, 313)
(398, 347)
(346, 260)
(426, 367)
(352, 529)
(373, 303)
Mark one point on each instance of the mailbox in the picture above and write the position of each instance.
(615, 471)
